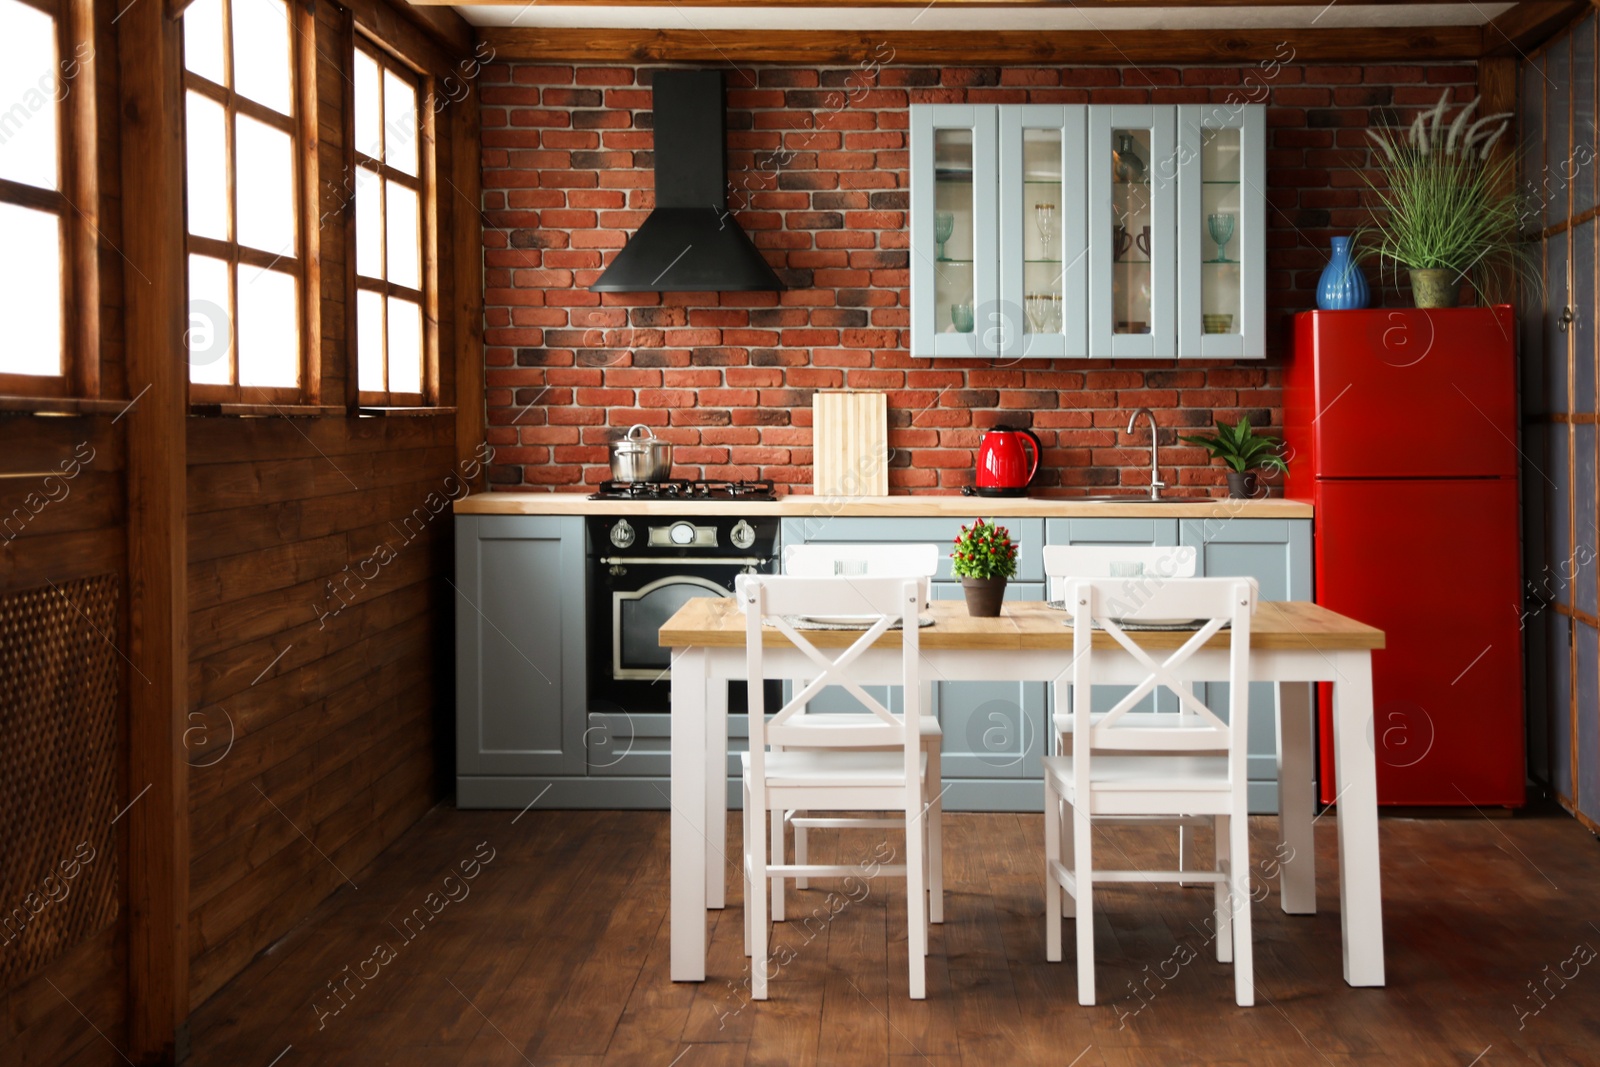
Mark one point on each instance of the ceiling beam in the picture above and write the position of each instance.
(1521, 29)
(970, 48)
(756, 5)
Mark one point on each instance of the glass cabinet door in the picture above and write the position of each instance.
(1221, 232)
(1132, 262)
(954, 262)
(1044, 271)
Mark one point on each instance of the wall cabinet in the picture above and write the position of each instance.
(1120, 231)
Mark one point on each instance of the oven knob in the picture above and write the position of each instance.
(681, 533)
(743, 534)
(622, 534)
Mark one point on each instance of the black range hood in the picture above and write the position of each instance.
(690, 242)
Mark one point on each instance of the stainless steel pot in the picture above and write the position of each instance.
(640, 457)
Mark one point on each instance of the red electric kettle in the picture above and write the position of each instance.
(1007, 460)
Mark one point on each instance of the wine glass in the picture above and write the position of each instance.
(1220, 227)
(944, 224)
(1044, 217)
(1038, 308)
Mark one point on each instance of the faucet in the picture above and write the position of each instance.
(1156, 484)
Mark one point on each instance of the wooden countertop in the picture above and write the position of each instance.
(906, 505)
(716, 622)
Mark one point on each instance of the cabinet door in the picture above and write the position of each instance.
(955, 286)
(991, 729)
(1044, 269)
(1222, 241)
(521, 687)
(1133, 180)
(1277, 554)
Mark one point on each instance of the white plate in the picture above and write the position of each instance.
(842, 620)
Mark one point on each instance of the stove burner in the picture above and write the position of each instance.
(685, 489)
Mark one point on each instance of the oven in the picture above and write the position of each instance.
(642, 569)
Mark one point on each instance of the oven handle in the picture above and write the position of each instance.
(681, 561)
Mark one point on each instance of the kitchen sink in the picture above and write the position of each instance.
(1130, 498)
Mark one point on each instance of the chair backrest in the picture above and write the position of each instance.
(1106, 604)
(771, 602)
(1115, 561)
(880, 560)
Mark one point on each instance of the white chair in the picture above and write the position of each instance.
(870, 762)
(877, 561)
(1118, 770)
(1065, 562)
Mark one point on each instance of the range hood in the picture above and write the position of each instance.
(690, 242)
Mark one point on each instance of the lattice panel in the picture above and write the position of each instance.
(58, 707)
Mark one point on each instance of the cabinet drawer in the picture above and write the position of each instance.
(1028, 533)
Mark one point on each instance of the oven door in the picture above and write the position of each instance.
(637, 616)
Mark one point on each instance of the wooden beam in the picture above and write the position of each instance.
(969, 48)
(1521, 29)
(442, 26)
(149, 47)
(756, 5)
(466, 260)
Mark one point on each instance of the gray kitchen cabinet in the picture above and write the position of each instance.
(521, 655)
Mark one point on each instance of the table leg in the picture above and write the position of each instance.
(688, 820)
(1360, 898)
(1297, 853)
(717, 793)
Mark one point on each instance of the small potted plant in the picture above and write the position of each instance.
(984, 557)
(1244, 451)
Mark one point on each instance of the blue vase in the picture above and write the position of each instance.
(1342, 287)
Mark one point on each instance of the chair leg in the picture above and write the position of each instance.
(777, 859)
(1083, 874)
(1244, 983)
(755, 895)
(935, 819)
(744, 866)
(802, 854)
(1065, 820)
(1053, 903)
(1224, 904)
(916, 899)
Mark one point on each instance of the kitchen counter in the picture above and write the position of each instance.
(905, 505)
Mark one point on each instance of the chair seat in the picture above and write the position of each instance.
(1145, 774)
(1134, 720)
(928, 725)
(842, 768)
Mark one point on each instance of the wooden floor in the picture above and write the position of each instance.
(556, 953)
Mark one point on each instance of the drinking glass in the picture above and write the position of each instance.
(1221, 229)
(1038, 308)
(961, 317)
(944, 224)
(1044, 216)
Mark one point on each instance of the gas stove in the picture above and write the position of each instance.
(685, 489)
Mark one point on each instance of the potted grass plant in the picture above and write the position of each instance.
(983, 558)
(1447, 205)
(1244, 451)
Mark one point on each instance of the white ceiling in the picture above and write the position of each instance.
(935, 17)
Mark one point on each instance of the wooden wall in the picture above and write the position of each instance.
(319, 621)
(80, 531)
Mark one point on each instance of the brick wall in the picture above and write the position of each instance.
(818, 168)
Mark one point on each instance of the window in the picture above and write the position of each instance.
(392, 265)
(243, 163)
(39, 68)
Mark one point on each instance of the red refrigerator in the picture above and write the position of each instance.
(1401, 426)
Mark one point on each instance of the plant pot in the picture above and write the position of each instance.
(984, 596)
(1242, 485)
(1436, 287)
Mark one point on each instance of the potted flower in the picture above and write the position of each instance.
(1244, 451)
(1445, 205)
(984, 557)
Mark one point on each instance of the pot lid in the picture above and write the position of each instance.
(633, 441)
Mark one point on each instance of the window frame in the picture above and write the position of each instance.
(300, 127)
(74, 202)
(425, 184)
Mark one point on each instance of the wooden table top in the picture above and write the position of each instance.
(1293, 625)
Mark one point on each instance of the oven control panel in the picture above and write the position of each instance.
(622, 534)
(683, 535)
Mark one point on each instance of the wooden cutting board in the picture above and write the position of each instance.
(850, 443)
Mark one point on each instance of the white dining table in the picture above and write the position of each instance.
(1293, 644)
